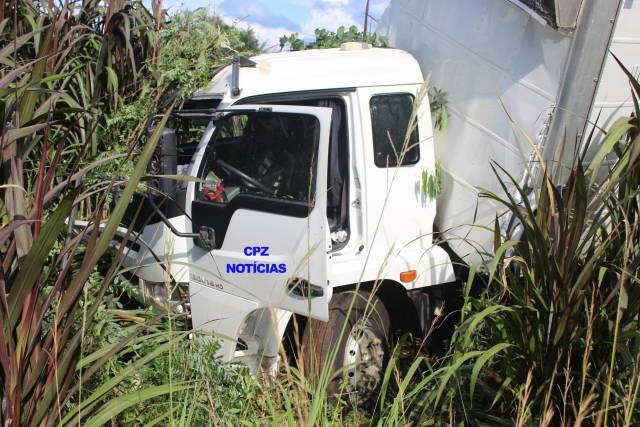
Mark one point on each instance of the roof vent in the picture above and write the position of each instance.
(355, 46)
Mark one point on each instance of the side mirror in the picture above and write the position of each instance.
(204, 238)
(164, 162)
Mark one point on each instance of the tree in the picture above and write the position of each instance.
(326, 39)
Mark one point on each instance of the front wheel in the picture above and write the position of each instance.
(359, 356)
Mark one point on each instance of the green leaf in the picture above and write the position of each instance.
(633, 80)
(450, 370)
(161, 418)
(185, 178)
(478, 318)
(86, 404)
(112, 78)
(497, 257)
(13, 135)
(114, 407)
(7, 51)
(111, 347)
(29, 101)
(444, 118)
(617, 130)
(15, 72)
(482, 360)
(31, 269)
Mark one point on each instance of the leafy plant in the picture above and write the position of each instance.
(432, 182)
(58, 85)
(439, 108)
(191, 46)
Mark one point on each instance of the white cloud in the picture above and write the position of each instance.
(270, 36)
(331, 14)
(258, 11)
(330, 19)
(333, 2)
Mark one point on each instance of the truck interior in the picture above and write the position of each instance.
(256, 160)
(261, 156)
(338, 167)
(266, 154)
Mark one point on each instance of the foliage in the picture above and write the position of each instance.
(221, 391)
(68, 71)
(192, 45)
(216, 394)
(432, 182)
(439, 108)
(196, 43)
(326, 39)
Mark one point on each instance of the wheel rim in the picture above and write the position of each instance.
(363, 361)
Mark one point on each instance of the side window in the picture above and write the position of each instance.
(390, 117)
(264, 154)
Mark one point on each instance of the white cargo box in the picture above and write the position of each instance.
(499, 56)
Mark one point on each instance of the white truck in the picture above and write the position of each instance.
(309, 179)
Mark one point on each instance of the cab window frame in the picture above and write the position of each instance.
(270, 201)
(414, 142)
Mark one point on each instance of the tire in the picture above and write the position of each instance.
(361, 355)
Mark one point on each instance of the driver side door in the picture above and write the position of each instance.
(262, 196)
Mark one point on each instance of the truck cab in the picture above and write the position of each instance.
(304, 213)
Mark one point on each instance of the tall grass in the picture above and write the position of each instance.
(57, 65)
(72, 77)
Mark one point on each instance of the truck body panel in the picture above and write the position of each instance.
(504, 71)
(613, 98)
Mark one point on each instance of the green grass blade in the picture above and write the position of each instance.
(482, 360)
(108, 385)
(617, 130)
(37, 256)
(115, 407)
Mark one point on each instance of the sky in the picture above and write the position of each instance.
(270, 19)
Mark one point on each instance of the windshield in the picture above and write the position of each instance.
(261, 153)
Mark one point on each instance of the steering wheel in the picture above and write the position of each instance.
(243, 176)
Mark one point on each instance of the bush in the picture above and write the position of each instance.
(78, 82)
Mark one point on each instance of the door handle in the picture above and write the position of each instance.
(302, 289)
